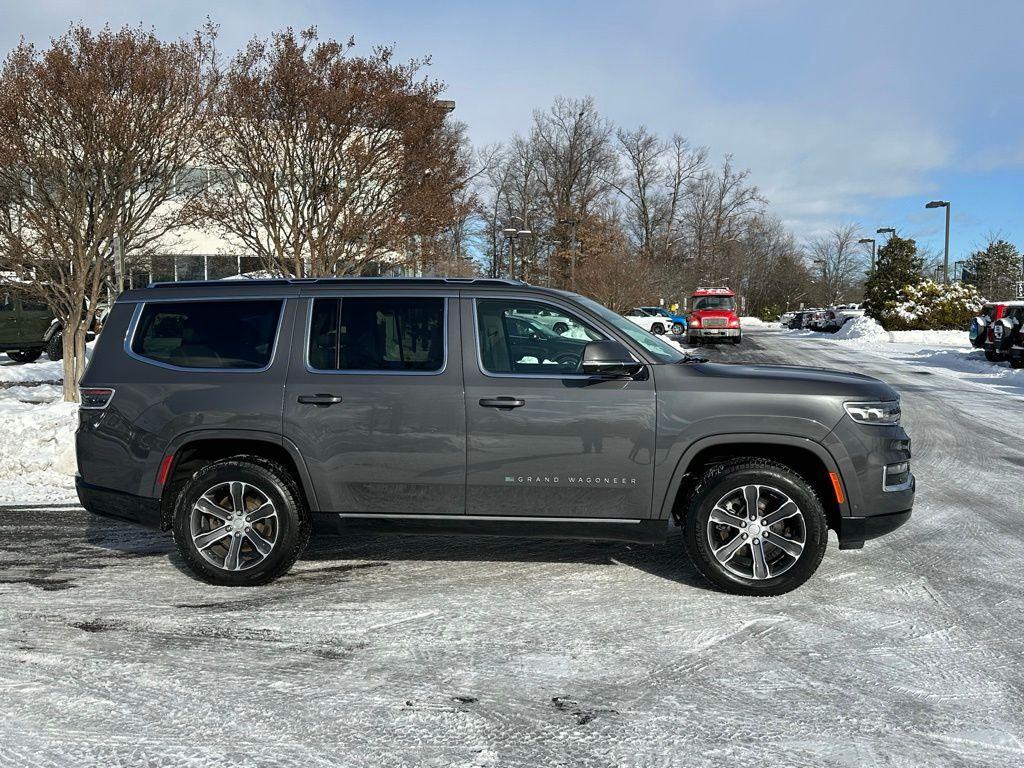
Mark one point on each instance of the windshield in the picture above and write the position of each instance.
(715, 302)
(662, 351)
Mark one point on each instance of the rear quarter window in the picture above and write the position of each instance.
(236, 335)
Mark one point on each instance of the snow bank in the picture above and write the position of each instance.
(37, 453)
(751, 321)
(864, 329)
(41, 370)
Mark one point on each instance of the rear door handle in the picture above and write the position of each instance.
(319, 399)
(502, 402)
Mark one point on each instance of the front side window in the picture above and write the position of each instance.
(208, 334)
(372, 333)
(515, 340)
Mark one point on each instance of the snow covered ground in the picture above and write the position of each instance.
(37, 458)
(945, 353)
(445, 651)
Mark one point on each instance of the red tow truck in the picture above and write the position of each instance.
(713, 316)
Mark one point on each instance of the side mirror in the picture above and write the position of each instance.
(608, 358)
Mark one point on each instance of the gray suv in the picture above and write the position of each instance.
(242, 415)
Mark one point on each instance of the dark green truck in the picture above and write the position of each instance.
(27, 329)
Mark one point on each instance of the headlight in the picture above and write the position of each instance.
(874, 413)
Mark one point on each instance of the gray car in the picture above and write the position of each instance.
(243, 415)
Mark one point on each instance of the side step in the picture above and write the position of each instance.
(594, 529)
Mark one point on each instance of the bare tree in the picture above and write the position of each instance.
(328, 163)
(838, 264)
(576, 158)
(94, 132)
(655, 178)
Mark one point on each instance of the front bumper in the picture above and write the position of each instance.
(714, 333)
(854, 531)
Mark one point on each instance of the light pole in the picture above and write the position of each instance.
(871, 240)
(945, 258)
(520, 235)
(573, 243)
(510, 233)
(886, 231)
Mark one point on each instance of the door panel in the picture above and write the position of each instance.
(384, 442)
(573, 447)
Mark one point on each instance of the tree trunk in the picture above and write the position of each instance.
(70, 363)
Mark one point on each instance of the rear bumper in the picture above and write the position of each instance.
(854, 531)
(123, 506)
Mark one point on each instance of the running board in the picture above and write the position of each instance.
(594, 529)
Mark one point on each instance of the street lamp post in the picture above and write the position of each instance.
(573, 244)
(510, 233)
(945, 258)
(521, 235)
(871, 240)
(886, 231)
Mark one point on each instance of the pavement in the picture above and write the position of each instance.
(446, 651)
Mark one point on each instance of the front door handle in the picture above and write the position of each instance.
(502, 402)
(319, 399)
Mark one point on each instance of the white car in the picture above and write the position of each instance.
(837, 317)
(547, 318)
(656, 324)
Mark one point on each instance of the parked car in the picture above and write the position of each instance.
(836, 317)
(548, 318)
(786, 317)
(26, 328)
(714, 316)
(243, 415)
(978, 333)
(652, 322)
(676, 322)
(1005, 332)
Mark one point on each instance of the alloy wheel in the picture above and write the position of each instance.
(234, 526)
(756, 532)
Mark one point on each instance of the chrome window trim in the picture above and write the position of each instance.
(560, 376)
(375, 295)
(129, 337)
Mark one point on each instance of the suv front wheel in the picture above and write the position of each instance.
(755, 527)
(241, 522)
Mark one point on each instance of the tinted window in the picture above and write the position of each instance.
(208, 334)
(511, 341)
(377, 334)
(715, 302)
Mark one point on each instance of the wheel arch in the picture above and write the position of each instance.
(806, 457)
(194, 449)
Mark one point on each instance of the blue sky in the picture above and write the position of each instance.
(844, 112)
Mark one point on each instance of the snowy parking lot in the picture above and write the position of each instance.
(439, 651)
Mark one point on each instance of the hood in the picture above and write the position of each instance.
(714, 313)
(790, 379)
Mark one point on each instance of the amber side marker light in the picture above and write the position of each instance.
(837, 486)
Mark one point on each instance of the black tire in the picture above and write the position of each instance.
(693, 341)
(678, 329)
(560, 328)
(775, 481)
(292, 523)
(1017, 362)
(657, 329)
(25, 355)
(992, 357)
(737, 339)
(55, 347)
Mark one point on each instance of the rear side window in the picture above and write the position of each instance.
(208, 334)
(372, 333)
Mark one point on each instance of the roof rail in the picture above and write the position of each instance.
(341, 280)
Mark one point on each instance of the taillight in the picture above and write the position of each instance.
(94, 398)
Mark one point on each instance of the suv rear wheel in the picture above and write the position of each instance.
(241, 522)
(755, 527)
